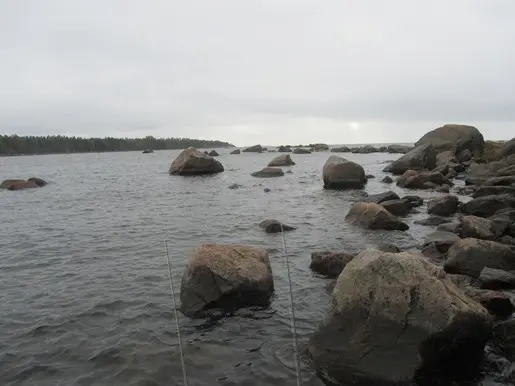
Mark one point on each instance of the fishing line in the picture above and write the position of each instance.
(184, 375)
(292, 309)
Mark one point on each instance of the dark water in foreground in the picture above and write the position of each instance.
(84, 289)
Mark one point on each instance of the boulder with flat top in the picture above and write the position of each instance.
(226, 277)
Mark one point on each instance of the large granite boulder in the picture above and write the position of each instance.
(254, 149)
(456, 138)
(226, 277)
(396, 317)
(282, 160)
(421, 157)
(268, 173)
(340, 173)
(374, 216)
(193, 162)
(469, 256)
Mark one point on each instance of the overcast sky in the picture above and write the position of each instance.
(257, 71)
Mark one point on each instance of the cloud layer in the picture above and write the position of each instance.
(283, 71)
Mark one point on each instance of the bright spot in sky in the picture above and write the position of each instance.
(354, 125)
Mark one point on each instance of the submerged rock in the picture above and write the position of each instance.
(268, 172)
(18, 184)
(193, 162)
(226, 277)
(148, 151)
(373, 216)
(274, 226)
(236, 151)
(433, 221)
(380, 197)
(329, 264)
(282, 160)
(340, 173)
(38, 181)
(396, 317)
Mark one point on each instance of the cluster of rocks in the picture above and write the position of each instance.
(368, 149)
(16, 184)
(397, 316)
(433, 309)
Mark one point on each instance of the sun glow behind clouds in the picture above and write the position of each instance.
(354, 125)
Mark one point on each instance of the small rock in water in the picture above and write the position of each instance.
(397, 207)
(266, 190)
(453, 227)
(369, 176)
(269, 172)
(374, 216)
(415, 201)
(329, 264)
(235, 186)
(387, 180)
(381, 197)
(274, 226)
(289, 172)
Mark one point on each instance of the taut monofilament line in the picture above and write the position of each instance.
(292, 309)
(184, 375)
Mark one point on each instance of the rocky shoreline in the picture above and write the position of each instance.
(426, 314)
(401, 316)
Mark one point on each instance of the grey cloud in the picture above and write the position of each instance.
(256, 71)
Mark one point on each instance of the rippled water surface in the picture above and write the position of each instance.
(84, 288)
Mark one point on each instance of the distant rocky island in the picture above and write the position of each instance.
(11, 145)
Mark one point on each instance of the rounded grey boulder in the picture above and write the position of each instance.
(193, 162)
(340, 173)
(282, 160)
(396, 317)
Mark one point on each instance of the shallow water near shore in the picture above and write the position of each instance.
(84, 289)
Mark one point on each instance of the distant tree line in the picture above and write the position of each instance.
(53, 144)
